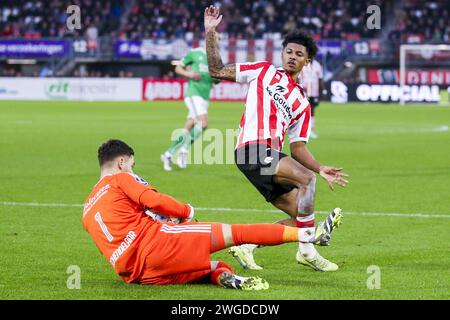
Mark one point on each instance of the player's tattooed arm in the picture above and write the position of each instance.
(215, 65)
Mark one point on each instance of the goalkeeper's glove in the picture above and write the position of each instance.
(191, 215)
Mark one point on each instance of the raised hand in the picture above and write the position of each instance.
(211, 18)
(333, 175)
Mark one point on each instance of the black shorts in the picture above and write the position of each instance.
(314, 102)
(258, 163)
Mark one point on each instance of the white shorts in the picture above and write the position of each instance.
(197, 106)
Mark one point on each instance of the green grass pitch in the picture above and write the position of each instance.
(398, 159)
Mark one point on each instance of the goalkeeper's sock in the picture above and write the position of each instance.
(180, 139)
(220, 268)
(264, 234)
(309, 220)
(258, 234)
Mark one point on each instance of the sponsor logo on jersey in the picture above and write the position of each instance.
(141, 181)
(280, 89)
(276, 94)
(93, 200)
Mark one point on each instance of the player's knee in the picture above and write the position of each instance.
(306, 180)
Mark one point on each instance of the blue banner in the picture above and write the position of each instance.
(331, 48)
(128, 49)
(151, 49)
(34, 48)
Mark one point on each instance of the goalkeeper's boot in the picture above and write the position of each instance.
(166, 158)
(232, 281)
(324, 229)
(244, 256)
(182, 157)
(317, 263)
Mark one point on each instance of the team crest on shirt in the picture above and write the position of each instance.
(141, 181)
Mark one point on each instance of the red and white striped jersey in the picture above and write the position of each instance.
(309, 78)
(275, 104)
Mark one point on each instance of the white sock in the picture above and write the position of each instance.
(183, 149)
(306, 249)
(167, 154)
(306, 234)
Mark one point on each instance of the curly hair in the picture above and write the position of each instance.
(303, 38)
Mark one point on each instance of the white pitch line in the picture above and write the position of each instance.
(39, 204)
(392, 130)
(442, 129)
(374, 214)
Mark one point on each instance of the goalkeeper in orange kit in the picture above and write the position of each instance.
(143, 250)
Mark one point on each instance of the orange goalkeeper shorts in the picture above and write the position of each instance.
(179, 253)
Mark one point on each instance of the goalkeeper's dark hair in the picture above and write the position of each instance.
(112, 149)
(303, 38)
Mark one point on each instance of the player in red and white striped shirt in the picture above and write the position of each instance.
(311, 79)
(276, 104)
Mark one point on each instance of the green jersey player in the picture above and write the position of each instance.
(196, 99)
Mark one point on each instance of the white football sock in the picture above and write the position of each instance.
(306, 235)
(305, 248)
(167, 154)
(184, 149)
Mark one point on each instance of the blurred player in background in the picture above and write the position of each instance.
(276, 105)
(119, 212)
(197, 101)
(311, 79)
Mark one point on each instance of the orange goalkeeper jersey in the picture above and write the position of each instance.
(114, 216)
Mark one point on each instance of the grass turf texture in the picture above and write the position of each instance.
(397, 164)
